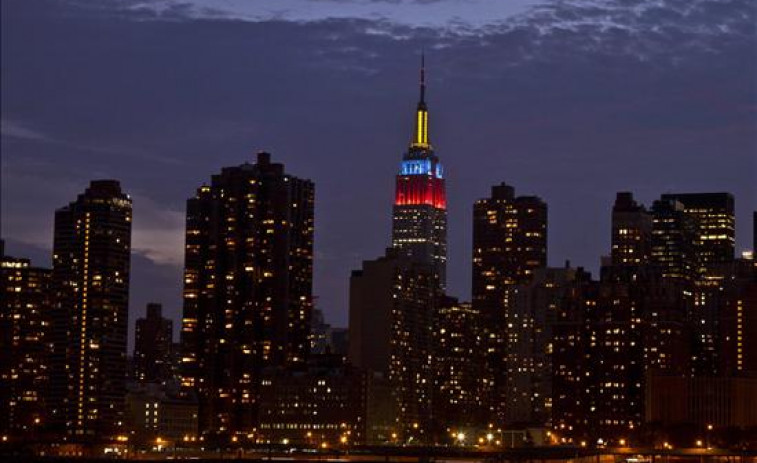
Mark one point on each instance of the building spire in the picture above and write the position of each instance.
(423, 79)
(420, 140)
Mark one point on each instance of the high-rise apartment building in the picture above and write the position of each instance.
(24, 345)
(247, 288)
(509, 244)
(152, 346)
(458, 368)
(91, 256)
(597, 363)
(392, 303)
(419, 217)
(529, 346)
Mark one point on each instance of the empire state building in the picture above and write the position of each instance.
(419, 226)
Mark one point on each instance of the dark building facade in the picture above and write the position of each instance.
(715, 221)
(419, 217)
(25, 309)
(458, 368)
(322, 403)
(631, 232)
(152, 346)
(738, 321)
(509, 244)
(674, 241)
(154, 411)
(598, 362)
(91, 257)
(392, 304)
(247, 288)
(529, 346)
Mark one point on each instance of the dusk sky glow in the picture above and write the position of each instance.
(571, 101)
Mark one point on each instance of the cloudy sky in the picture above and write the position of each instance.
(569, 100)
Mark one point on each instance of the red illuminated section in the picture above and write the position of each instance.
(417, 190)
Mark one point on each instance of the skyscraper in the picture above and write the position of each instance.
(631, 232)
(509, 244)
(458, 400)
(152, 346)
(419, 225)
(528, 346)
(715, 221)
(24, 345)
(247, 287)
(597, 362)
(91, 256)
(392, 303)
(674, 241)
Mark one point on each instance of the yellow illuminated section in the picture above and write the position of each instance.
(421, 129)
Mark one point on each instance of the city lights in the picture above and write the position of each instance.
(269, 341)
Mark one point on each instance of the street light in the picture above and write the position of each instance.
(461, 438)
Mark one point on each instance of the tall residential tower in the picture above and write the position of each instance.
(91, 257)
(248, 281)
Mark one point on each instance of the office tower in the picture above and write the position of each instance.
(419, 218)
(91, 255)
(24, 345)
(509, 244)
(714, 218)
(458, 365)
(528, 346)
(631, 232)
(674, 241)
(392, 302)
(152, 346)
(247, 287)
(754, 232)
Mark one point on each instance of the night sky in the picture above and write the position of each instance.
(568, 100)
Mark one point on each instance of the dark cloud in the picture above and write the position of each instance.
(573, 102)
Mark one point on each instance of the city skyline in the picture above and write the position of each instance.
(379, 228)
(464, 140)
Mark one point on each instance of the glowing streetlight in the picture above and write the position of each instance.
(460, 437)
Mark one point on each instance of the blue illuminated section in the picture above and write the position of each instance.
(420, 167)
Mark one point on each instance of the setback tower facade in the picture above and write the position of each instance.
(419, 218)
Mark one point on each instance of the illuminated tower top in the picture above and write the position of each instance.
(419, 226)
